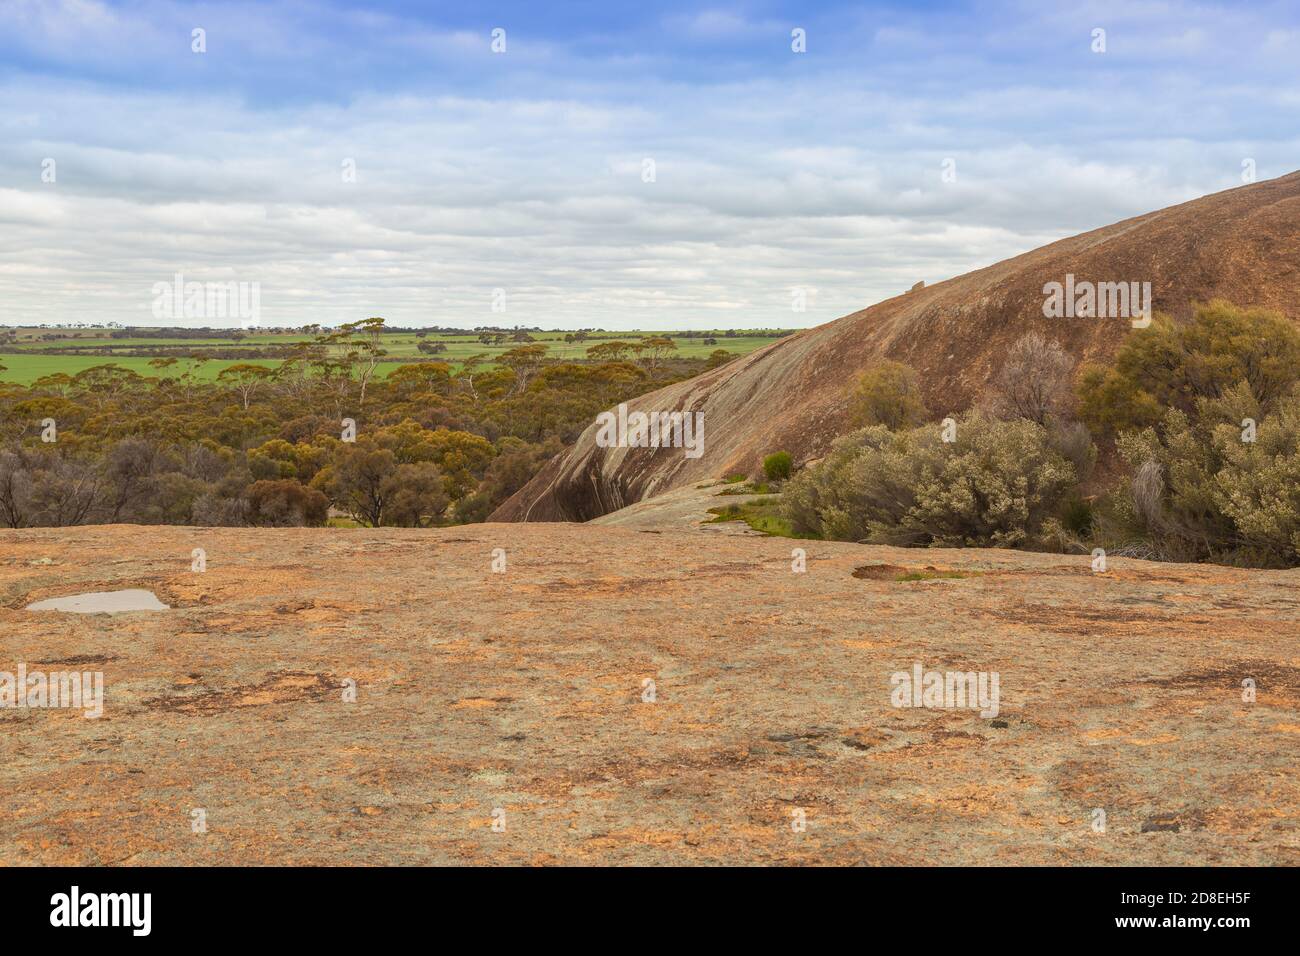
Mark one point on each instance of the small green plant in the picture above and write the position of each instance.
(734, 479)
(778, 465)
(932, 575)
(750, 488)
(761, 514)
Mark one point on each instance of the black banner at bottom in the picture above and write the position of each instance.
(302, 905)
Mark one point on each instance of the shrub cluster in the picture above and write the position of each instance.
(1200, 421)
(1202, 487)
(993, 486)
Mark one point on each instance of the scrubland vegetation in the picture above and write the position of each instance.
(1184, 447)
(1195, 427)
(265, 444)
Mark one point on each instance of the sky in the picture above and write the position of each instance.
(608, 165)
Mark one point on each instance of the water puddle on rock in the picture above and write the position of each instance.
(102, 602)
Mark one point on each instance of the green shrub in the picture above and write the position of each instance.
(778, 466)
(888, 394)
(996, 485)
(719, 357)
(1201, 492)
(1076, 516)
(284, 502)
(1167, 365)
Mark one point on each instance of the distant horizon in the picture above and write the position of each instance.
(399, 328)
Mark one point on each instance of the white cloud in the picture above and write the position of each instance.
(827, 176)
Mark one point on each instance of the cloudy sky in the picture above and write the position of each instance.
(618, 165)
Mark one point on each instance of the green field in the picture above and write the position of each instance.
(31, 361)
(25, 369)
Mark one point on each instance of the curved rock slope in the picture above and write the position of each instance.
(1242, 244)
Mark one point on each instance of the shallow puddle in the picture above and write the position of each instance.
(102, 602)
